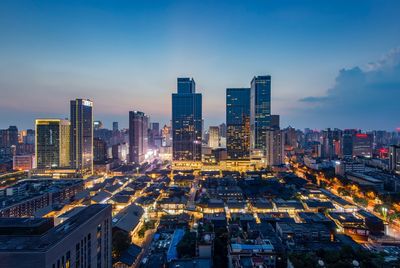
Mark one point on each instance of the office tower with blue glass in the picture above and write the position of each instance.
(138, 136)
(82, 135)
(260, 114)
(186, 121)
(238, 123)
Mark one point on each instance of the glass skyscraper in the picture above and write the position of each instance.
(238, 123)
(186, 121)
(138, 136)
(52, 143)
(260, 112)
(82, 135)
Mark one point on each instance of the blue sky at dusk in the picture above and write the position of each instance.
(333, 63)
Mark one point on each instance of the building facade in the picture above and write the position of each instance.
(238, 123)
(52, 143)
(260, 113)
(275, 151)
(81, 145)
(186, 121)
(213, 137)
(362, 145)
(394, 158)
(83, 240)
(138, 136)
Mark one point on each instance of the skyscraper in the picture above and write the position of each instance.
(82, 135)
(260, 113)
(213, 137)
(394, 158)
(238, 123)
(115, 126)
(186, 121)
(275, 147)
(138, 136)
(52, 143)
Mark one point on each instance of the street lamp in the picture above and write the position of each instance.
(137, 170)
(384, 212)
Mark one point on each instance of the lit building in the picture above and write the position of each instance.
(82, 135)
(83, 240)
(166, 136)
(186, 121)
(138, 136)
(394, 158)
(362, 145)
(213, 137)
(275, 150)
(24, 162)
(52, 143)
(260, 113)
(99, 151)
(238, 123)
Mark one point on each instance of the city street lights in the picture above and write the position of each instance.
(384, 212)
(137, 170)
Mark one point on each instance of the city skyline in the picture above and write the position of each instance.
(326, 70)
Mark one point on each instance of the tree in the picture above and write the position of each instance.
(120, 242)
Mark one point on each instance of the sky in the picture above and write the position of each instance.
(333, 63)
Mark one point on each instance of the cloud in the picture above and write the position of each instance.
(366, 97)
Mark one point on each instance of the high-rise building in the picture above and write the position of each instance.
(222, 128)
(82, 240)
(260, 113)
(138, 136)
(275, 147)
(166, 136)
(347, 145)
(394, 158)
(52, 143)
(238, 123)
(99, 151)
(213, 137)
(115, 126)
(186, 121)
(8, 142)
(82, 135)
(362, 145)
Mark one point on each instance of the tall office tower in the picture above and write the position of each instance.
(394, 158)
(138, 136)
(260, 113)
(99, 151)
(362, 145)
(82, 135)
(238, 123)
(275, 141)
(327, 146)
(115, 126)
(8, 143)
(347, 145)
(52, 143)
(222, 129)
(213, 137)
(82, 240)
(186, 122)
(154, 135)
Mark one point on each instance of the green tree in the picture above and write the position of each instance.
(120, 242)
